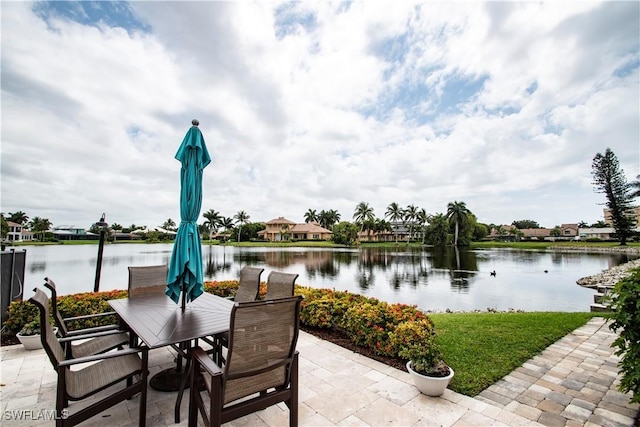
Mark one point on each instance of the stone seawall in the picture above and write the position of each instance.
(609, 278)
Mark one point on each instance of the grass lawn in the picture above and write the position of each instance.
(484, 347)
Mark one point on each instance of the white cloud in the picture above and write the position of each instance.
(317, 105)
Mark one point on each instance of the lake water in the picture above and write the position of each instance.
(433, 280)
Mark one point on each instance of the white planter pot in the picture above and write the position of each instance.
(431, 386)
(30, 342)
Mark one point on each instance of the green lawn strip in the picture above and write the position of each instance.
(484, 347)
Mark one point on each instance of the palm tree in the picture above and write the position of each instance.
(369, 225)
(333, 217)
(169, 225)
(40, 225)
(395, 213)
(457, 212)
(362, 213)
(328, 219)
(410, 216)
(18, 217)
(311, 216)
(422, 218)
(226, 222)
(212, 222)
(380, 225)
(241, 218)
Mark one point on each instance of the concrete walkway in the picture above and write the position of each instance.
(572, 383)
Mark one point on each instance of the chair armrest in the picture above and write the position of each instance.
(90, 316)
(102, 356)
(70, 338)
(205, 361)
(95, 329)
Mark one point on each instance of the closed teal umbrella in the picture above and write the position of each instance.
(185, 268)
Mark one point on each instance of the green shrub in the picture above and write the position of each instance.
(625, 301)
(31, 328)
(367, 322)
(19, 314)
(416, 341)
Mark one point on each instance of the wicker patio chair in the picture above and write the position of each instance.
(107, 369)
(280, 285)
(147, 280)
(91, 341)
(261, 369)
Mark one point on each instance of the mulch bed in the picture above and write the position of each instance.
(339, 339)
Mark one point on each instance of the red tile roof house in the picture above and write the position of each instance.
(280, 229)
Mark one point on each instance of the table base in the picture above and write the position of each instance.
(168, 380)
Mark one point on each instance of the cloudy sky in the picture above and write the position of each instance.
(317, 105)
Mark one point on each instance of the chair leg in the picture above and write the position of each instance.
(61, 398)
(293, 407)
(193, 406)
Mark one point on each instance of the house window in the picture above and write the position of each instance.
(316, 236)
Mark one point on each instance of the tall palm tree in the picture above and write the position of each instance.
(362, 213)
(394, 213)
(212, 222)
(423, 218)
(457, 212)
(410, 216)
(311, 216)
(334, 217)
(241, 218)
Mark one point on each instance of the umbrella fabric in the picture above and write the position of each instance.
(185, 268)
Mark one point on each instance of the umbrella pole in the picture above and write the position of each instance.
(184, 298)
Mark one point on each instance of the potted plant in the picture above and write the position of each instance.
(430, 374)
(29, 335)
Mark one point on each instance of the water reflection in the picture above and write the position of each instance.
(434, 279)
(212, 265)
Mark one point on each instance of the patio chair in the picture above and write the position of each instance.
(248, 290)
(249, 285)
(94, 340)
(147, 280)
(106, 370)
(280, 285)
(261, 369)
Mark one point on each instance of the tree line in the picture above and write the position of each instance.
(457, 226)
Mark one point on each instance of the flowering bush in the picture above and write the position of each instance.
(415, 340)
(394, 330)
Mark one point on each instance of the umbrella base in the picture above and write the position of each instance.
(170, 379)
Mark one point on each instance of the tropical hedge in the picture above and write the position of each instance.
(367, 322)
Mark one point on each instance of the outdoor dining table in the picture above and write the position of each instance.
(158, 322)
